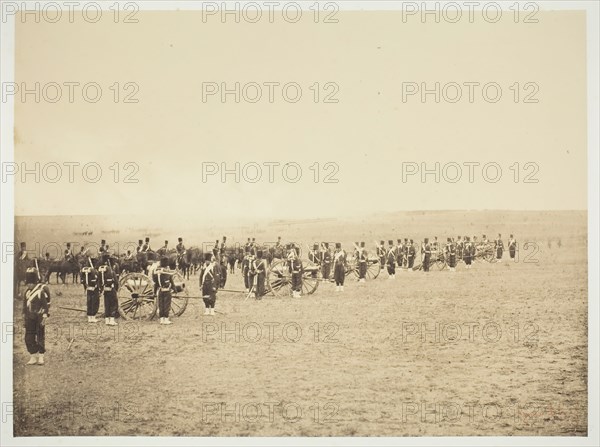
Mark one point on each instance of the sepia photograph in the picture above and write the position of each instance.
(299, 223)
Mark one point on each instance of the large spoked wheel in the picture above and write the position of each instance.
(136, 297)
(180, 297)
(310, 278)
(373, 268)
(279, 279)
(351, 268)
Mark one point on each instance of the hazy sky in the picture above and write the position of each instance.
(369, 57)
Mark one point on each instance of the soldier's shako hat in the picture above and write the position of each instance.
(180, 239)
(253, 239)
(338, 245)
(447, 239)
(483, 236)
(259, 253)
(164, 261)
(147, 239)
(326, 244)
(23, 245)
(362, 244)
(68, 244)
(103, 241)
(399, 240)
(140, 241)
(315, 246)
(381, 242)
(391, 242)
(31, 275)
(405, 239)
(224, 238)
(411, 241)
(278, 238)
(288, 246)
(426, 239)
(499, 235)
(511, 235)
(166, 242)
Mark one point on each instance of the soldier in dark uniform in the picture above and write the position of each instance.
(426, 251)
(362, 262)
(381, 254)
(23, 252)
(459, 248)
(468, 252)
(435, 247)
(180, 247)
(295, 268)
(109, 282)
(252, 273)
(209, 281)
(412, 253)
(102, 248)
(222, 270)
(314, 256)
(139, 247)
(146, 246)
(91, 285)
(512, 247)
(36, 309)
(451, 252)
(246, 268)
(339, 267)
(399, 253)
(326, 261)
(163, 277)
(162, 251)
(391, 260)
(260, 267)
(405, 248)
(499, 246)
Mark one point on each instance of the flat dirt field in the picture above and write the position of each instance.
(500, 349)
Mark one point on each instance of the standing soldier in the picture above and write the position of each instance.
(512, 247)
(381, 253)
(91, 285)
(426, 252)
(412, 253)
(459, 249)
(295, 268)
(314, 255)
(252, 272)
(362, 262)
(391, 260)
(246, 267)
(102, 248)
(139, 247)
(247, 244)
(468, 252)
(435, 247)
(405, 250)
(109, 284)
(23, 252)
(326, 261)
(222, 249)
(146, 246)
(399, 253)
(474, 247)
(451, 249)
(499, 246)
(209, 280)
(260, 267)
(163, 277)
(339, 267)
(36, 305)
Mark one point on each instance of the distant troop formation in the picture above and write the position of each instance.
(325, 261)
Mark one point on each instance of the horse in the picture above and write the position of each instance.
(62, 268)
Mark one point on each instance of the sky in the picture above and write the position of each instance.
(353, 133)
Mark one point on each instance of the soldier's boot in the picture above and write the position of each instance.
(206, 311)
(341, 288)
(162, 320)
(167, 321)
(112, 322)
(107, 321)
(212, 311)
(40, 359)
(93, 319)
(337, 288)
(33, 360)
